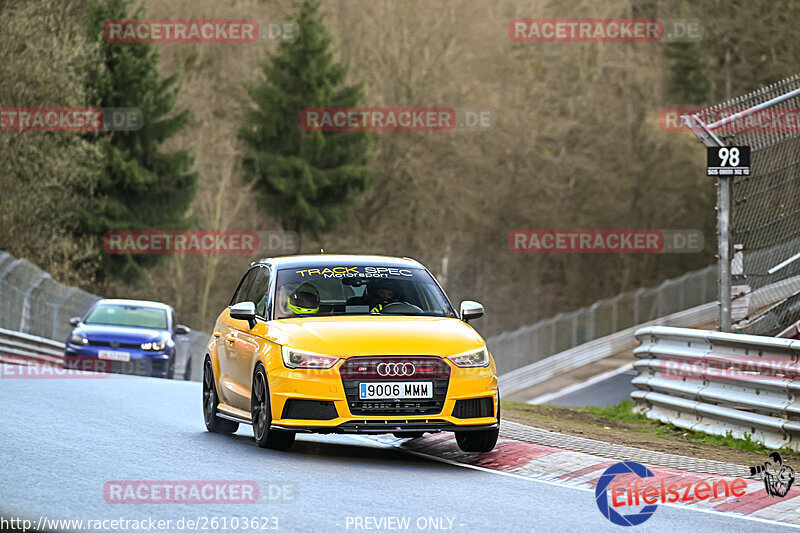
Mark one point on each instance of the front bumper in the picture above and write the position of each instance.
(142, 362)
(377, 428)
(326, 386)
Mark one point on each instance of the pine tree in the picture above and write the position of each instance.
(307, 180)
(688, 81)
(143, 187)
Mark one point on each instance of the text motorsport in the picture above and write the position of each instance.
(650, 494)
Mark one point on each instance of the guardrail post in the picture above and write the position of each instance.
(25, 315)
(3, 273)
(57, 307)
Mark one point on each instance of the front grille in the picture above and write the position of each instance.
(115, 344)
(474, 408)
(365, 369)
(309, 410)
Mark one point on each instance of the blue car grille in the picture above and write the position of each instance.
(114, 344)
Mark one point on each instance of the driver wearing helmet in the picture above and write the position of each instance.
(304, 300)
(380, 293)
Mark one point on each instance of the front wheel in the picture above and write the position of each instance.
(262, 417)
(171, 368)
(477, 441)
(214, 424)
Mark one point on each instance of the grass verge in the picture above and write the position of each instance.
(619, 424)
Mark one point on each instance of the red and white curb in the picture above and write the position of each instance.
(581, 470)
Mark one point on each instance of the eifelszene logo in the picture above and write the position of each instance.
(601, 496)
(624, 484)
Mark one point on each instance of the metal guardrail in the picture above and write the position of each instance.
(592, 351)
(528, 344)
(17, 347)
(720, 383)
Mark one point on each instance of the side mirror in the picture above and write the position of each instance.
(470, 310)
(244, 311)
(74, 321)
(182, 330)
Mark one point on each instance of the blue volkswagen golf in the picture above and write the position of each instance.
(125, 336)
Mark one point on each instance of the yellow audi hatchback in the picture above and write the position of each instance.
(348, 344)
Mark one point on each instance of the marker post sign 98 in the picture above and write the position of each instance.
(728, 161)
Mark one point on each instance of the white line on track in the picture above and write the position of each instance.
(548, 482)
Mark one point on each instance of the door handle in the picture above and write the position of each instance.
(217, 334)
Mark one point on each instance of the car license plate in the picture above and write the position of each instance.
(395, 390)
(111, 355)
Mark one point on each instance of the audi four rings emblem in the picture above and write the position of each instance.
(396, 369)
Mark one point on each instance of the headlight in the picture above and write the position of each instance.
(156, 346)
(299, 359)
(471, 359)
(79, 340)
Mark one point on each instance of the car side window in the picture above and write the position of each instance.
(259, 293)
(244, 287)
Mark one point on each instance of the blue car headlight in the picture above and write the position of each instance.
(78, 340)
(155, 346)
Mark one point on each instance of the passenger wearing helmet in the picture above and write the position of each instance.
(304, 300)
(380, 293)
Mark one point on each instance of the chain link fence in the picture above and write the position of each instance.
(528, 344)
(32, 302)
(765, 205)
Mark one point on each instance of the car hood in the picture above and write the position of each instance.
(376, 335)
(122, 334)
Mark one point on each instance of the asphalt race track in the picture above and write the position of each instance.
(62, 440)
(605, 393)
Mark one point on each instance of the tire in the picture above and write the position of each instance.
(261, 414)
(214, 424)
(171, 369)
(187, 373)
(409, 435)
(479, 441)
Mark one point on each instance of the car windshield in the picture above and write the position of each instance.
(128, 315)
(358, 290)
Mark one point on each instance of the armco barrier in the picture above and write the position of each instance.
(696, 379)
(526, 345)
(21, 348)
(592, 351)
(589, 352)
